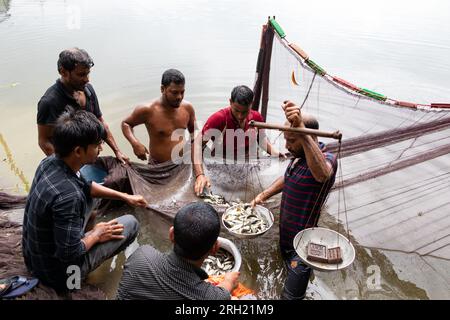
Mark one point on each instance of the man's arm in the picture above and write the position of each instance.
(320, 168)
(275, 188)
(112, 143)
(111, 230)
(139, 116)
(264, 142)
(197, 145)
(230, 281)
(99, 191)
(67, 229)
(45, 133)
(270, 149)
(201, 180)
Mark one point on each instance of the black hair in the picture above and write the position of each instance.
(311, 123)
(172, 75)
(242, 95)
(70, 58)
(196, 228)
(76, 128)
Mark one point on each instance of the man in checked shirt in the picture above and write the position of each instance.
(59, 205)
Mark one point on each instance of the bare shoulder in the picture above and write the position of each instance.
(147, 108)
(188, 107)
(141, 113)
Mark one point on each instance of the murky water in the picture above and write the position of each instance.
(400, 48)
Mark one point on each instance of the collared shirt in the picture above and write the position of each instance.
(150, 274)
(53, 221)
(56, 99)
(302, 199)
(223, 120)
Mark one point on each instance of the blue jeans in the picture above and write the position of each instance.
(297, 278)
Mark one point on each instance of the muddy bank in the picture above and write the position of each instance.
(11, 263)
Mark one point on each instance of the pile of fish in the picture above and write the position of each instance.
(219, 264)
(243, 219)
(216, 199)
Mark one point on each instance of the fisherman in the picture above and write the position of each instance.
(163, 117)
(56, 243)
(229, 129)
(150, 274)
(305, 187)
(71, 89)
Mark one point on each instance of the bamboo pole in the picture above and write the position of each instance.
(306, 131)
(257, 88)
(270, 33)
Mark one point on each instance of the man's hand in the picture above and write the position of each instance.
(230, 281)
(282, 156)
(279, 154)
(293, 114)
(135, 200)
(201, 182)
(106, 231)
(260, 198)
(140, 151)
(122, 158)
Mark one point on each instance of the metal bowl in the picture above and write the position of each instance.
(264, 212)
(231, 248)
(328, 238)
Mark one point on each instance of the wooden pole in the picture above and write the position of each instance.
(257, 88)
(335, 135)
(266, 70)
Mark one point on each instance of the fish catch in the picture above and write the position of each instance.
(219, 264)
(211, 198)
(243, 219)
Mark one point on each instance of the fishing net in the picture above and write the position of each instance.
(169, 186)
(394, 155)
(10, 201)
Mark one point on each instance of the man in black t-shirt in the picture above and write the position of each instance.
(74, 90)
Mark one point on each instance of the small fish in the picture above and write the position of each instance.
(243, 219)
(211, 198)
(219, 264)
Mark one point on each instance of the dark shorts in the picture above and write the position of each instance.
(297, 278)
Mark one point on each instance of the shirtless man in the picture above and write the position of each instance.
(162, 117)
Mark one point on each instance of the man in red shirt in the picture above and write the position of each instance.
(233, 139)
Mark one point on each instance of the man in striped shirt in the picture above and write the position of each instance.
(150, 274)
(305, 187)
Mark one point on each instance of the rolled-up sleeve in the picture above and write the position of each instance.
(68, 225)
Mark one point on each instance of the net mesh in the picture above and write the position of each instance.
(394, 159)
